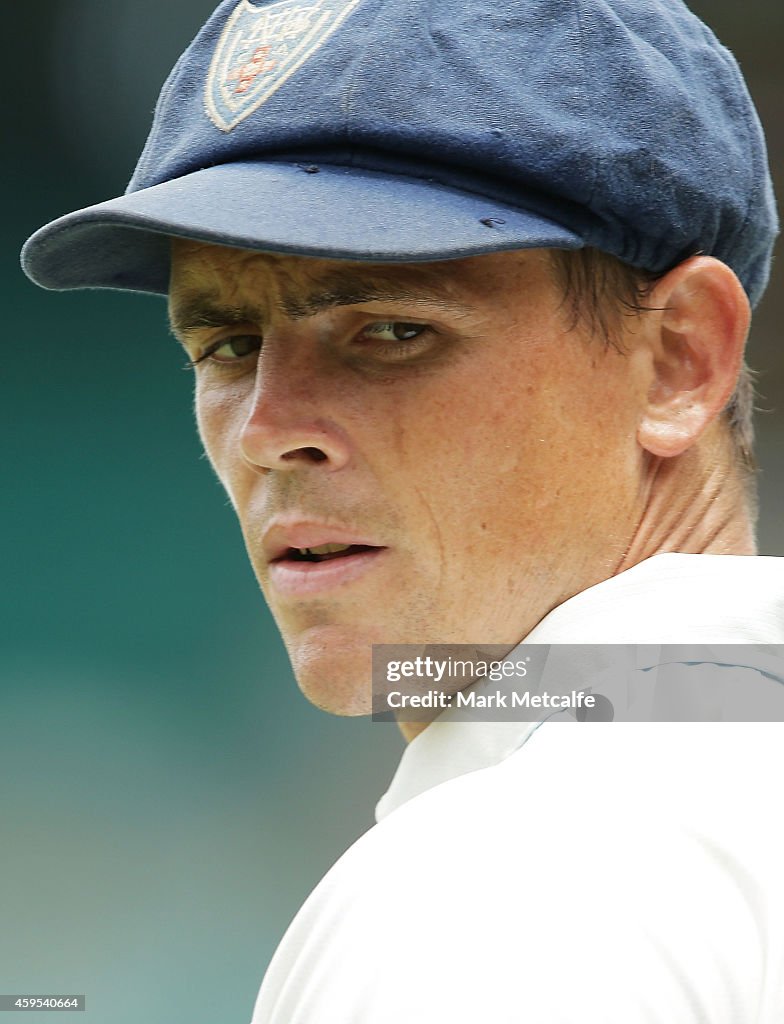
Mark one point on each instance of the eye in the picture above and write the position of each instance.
(395, 331)
(395, 341)
(230, 350)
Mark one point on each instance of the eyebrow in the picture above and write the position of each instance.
(197, 310)
(350, 290)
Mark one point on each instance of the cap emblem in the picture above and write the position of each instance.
(260, 48)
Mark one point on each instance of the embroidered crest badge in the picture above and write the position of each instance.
(260, 48)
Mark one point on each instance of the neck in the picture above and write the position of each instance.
(694, 504)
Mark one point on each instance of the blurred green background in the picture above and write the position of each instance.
(167, 797)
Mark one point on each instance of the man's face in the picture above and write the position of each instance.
(472, 453)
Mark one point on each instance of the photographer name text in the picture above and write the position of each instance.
(574, 700)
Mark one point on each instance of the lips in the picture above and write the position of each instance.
(305, 559)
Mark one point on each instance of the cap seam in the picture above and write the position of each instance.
(168, 85)
(756, 158)
(348, 106)
(585, 90)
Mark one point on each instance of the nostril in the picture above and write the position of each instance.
(314, 454)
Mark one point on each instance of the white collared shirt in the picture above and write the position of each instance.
(601, 874)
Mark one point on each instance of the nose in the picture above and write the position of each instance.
(289, 425)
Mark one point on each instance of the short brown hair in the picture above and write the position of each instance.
(599, 289)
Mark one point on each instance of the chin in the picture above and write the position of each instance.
(333, 668)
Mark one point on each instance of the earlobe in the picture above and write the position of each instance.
(696, 341)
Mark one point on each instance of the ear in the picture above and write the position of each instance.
(696, 343)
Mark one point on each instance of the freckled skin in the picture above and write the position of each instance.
(496, 459)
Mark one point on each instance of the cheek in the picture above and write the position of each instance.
(508, 457)
(220, 416)
(474, 428)
(460, 457)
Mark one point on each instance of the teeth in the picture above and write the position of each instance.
(325, 549)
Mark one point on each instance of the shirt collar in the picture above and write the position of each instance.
(667, 599)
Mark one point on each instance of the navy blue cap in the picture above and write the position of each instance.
(413, 130)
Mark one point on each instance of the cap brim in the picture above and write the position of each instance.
(331, 212)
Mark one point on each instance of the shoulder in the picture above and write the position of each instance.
(640, 862)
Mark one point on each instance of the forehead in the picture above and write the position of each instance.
(302, 285)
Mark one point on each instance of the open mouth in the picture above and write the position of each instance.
(325, 552)
(303, 572)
